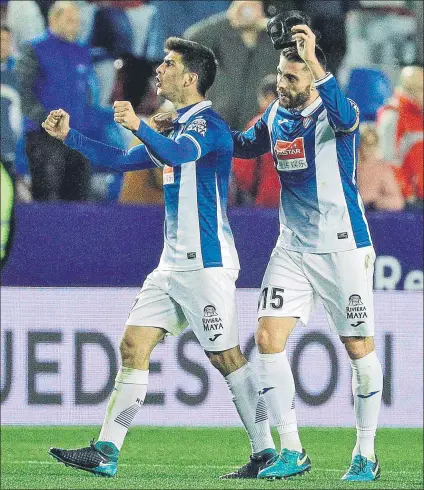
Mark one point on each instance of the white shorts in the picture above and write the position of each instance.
(294, 281)
(204, 299)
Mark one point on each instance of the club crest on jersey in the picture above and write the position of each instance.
(290, 155)
(198, 125)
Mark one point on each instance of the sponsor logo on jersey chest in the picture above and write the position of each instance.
(290, 155)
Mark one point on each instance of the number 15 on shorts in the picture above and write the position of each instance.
(272, 297)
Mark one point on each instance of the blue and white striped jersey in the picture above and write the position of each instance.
(315, 155)
(197, 231)
(196, 174)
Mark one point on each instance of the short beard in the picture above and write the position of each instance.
(298, 101)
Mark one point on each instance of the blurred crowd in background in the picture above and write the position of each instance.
(83, 55)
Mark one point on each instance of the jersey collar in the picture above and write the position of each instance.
(307, 111)
(185, 113)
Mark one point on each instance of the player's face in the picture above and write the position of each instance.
(170, 76)
(293, 84)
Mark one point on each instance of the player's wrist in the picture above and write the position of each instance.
(316, 69)
(135, 124)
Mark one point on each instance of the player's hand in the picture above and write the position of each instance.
(305, 42)
(57, 124)
(162, 121)
(125, 115)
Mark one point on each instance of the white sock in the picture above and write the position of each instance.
(124, 403)
(367, 379)
(251, 407)
(276, 379)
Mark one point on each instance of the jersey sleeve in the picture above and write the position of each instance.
(253, 142)
(204, 133)
(343, 113)
(109, 157)
(164, 151)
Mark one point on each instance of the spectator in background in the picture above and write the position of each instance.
(54, 71)
(11, 116)
(25, 20)
(400, 127)
(376, 179)
(256, 180)
(245, 55)
(11, 119)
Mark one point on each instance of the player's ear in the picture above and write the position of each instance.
(191, 78)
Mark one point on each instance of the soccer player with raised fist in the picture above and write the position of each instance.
(194, 283)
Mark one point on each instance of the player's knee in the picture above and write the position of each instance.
(127, 349)
(263, 339)
(358, 347)
(227, 361)
(132, 352)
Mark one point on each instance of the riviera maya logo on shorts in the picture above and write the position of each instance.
(211, 320)
(355, 308)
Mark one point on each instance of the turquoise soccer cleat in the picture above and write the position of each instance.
(100, 458)
(289, 463)
(362, 469)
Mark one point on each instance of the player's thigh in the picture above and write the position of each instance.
(208, 299)
(154, 306)
(344, 281)
(285, 292)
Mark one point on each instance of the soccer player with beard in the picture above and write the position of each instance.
(324, 249)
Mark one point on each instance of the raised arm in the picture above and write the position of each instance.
(342, 112)
(99, 154)
(161, 149)
(110, 157)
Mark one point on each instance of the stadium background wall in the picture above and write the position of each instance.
(59, 354)
(59, 244)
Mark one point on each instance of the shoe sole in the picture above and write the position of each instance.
(301, 473)
(77, 467)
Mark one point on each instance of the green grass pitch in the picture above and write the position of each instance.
(177, 458)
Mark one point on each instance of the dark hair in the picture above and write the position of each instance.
(268, 85)
(197, 59)
(4, 27)
(291, 54)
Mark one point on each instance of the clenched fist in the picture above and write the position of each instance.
(57, 124)
(125, 115)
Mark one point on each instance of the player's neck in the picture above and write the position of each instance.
(311, 100)
(188, 100)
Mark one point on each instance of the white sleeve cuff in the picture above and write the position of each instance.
(320, 81)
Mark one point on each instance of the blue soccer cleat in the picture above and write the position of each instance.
(289, 463)
(362, 469)
(100, 458)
